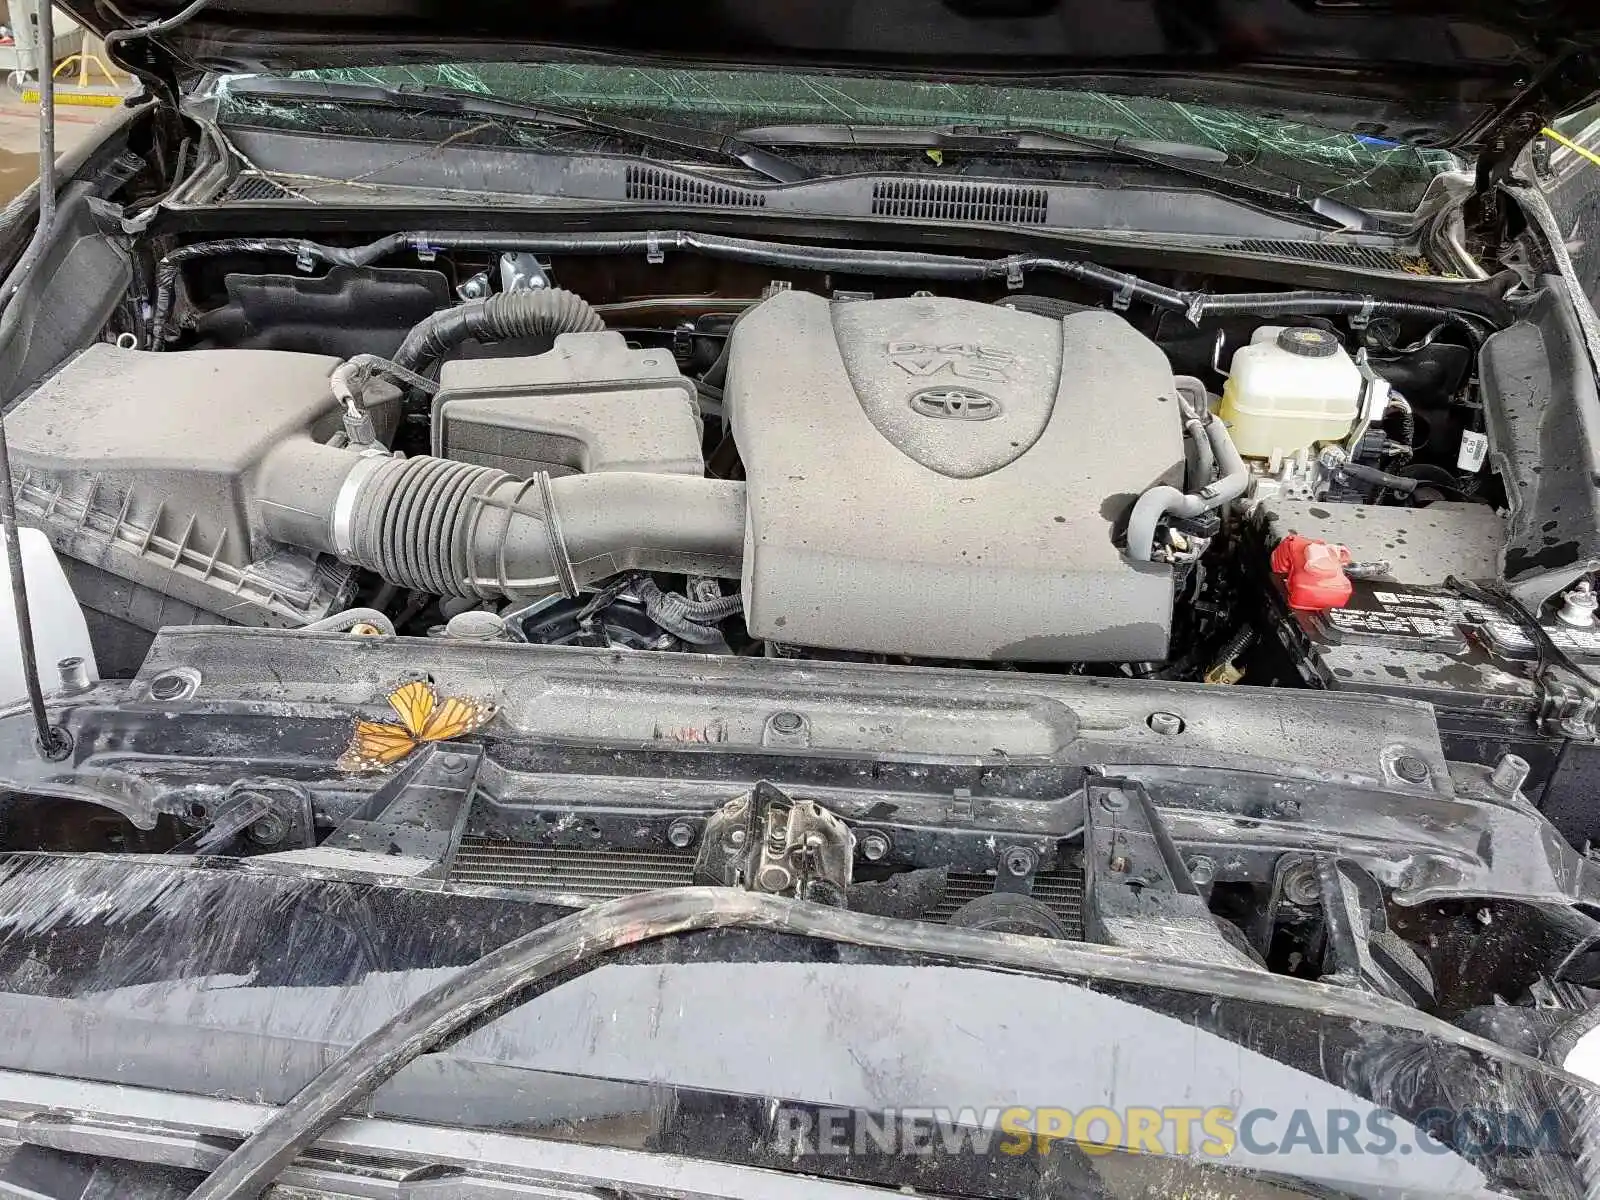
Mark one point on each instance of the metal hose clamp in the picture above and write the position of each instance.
(344, 504)
(559, 561)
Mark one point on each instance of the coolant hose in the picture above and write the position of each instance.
(543, 313)
(457, 529)
(1162, 500)
(1205, 460)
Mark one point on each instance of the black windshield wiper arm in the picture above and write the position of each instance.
(1178, 158)
(447, 101)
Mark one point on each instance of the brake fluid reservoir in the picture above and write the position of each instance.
(1289, 389)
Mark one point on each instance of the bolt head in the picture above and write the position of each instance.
(680, 834)
(736, 837)
(1165, 723)
(269, 830)
(1019, 860)
(1510, 773)
(1300, 886)
(787, 722)
(874, 847)
(453, 762)
(1202, 870)
(1411, 769)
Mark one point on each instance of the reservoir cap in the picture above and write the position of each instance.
(1308, 343)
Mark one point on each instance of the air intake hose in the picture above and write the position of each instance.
(544, 313)
(457, 529)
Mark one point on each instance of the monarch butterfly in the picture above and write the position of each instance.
(424, 717)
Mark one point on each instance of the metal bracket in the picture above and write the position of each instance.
(421, 813)
(276, 815)
(768, 841)
(1568, 706)
(683, 342)
(1139, 892)
(521, 271)
(1361, 951)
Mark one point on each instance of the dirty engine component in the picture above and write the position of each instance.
(939, 478)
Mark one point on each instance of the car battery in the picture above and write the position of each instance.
(1474, 664)
(1422, 640)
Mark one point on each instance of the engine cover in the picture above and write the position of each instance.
(942, 478)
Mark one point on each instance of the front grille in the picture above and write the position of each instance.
(927, 200)
(1370, 258)
(654, 183)
(596, 875)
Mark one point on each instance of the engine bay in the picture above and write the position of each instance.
(893, 474)
(938, 587)
(1068, 469)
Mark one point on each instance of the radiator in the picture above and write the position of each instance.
(595, 875)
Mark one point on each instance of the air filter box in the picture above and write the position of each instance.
(590, 404)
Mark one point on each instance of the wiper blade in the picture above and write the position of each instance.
(1187, 159)
(447, 101)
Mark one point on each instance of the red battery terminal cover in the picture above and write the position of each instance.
(1313, 573)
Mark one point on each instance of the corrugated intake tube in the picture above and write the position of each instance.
(544, 313)
(458, 529)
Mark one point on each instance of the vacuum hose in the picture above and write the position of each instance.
(1163, 500)
(457, 529)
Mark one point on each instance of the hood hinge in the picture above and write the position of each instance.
(147, 62)
(1565, 85)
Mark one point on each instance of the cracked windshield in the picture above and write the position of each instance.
(1360, 169)
(1570, 176)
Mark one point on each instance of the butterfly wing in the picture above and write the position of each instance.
(414, 703)
(376, 744)
(456, 717)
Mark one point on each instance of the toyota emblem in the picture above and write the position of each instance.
(955, 404)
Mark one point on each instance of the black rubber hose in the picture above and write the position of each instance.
(693, 621)
(1373, 477)
(451, 528)
(544, 313)
(1408, 431)
(1235, 645)
(1326, 304)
